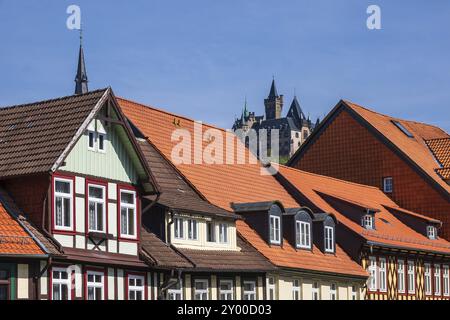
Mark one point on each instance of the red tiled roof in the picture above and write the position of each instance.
(240, 183)
(14, 240)
(389, 230)
(415, 148)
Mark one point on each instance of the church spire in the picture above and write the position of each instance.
(81, 80)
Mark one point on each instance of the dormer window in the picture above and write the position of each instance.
(432, 232)
(303, 234)
(275, 237)
(329, 239)
(367, 221)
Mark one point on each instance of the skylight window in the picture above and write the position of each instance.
(403, 129)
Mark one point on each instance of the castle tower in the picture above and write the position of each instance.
(274, 103)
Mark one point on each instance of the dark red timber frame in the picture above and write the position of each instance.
(50, 280)
(126, 187)
(100, 183)
(74, 221)
(140, 274)
(104, 271)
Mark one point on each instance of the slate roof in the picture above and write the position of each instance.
(389, 230)
(33, 136)
(245, 260)
(175, 191)
(160, 253)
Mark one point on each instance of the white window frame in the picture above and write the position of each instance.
(201, 292)
(135, 288)
(329, 239)
(271, 288)
(177, 292)
(96, 201)
(367, 221)
(382, 271)
(275, 236)
(446, 280)
(411, 274)
(223, 233)
(401, 280)
(94, 140)
(229, 293)
(303, 234)
(214, 233)
(178, 228)
(296, 289)
(59, 282)
(249, 294)
(95, 284)
(373, 274)
(428, 278)
(437, 280)
(315, 291)
(192, 227)
(63, 196)
(333, 292)
(432, 232)
(354, 292)
(135, 216)
(101, 150)
(386, 184)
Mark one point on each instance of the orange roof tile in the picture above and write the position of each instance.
(441, 150)
(394, 232)
(415, 148)
(239, 183)
(14, 239)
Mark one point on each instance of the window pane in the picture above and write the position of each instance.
(127, 197)
(101, 142)
(67, 210)
(59, 210)
(62, 187)
(132, 295)
(3, 292)
(123, 221)
(92, 215)
(139, 295)
(4, 275)
(56, 292)
(131, 222)
(100, 216)
(95, 192)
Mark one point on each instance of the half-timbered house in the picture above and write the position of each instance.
(260, 199)
(403, 251)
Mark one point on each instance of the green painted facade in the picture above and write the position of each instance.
(11, 269)
(118, 162)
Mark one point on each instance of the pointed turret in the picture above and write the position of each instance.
(81, 80)
(273, 90)
(295, 112)
(274, 103)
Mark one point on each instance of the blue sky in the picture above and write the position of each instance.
(200, 58)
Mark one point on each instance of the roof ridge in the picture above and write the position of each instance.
(393, 117)
(328, 177)
(51, 100)
(169, 113)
